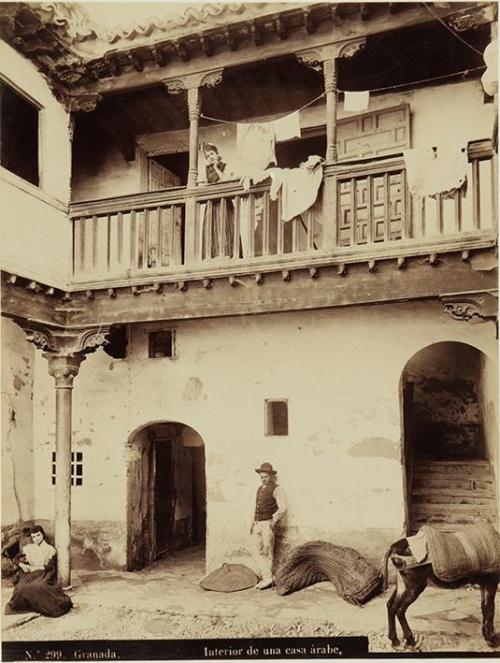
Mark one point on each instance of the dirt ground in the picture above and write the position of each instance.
(165, 601)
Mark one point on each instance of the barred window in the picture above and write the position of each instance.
(76, 468)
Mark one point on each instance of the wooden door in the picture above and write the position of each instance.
(160, 177)
(164, 497)
(376, 133)
(183, 525)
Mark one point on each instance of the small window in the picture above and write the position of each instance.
(18, 134)
(76, 468)
(161, 343)
(277, 417)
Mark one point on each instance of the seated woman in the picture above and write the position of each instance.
(36, 586)
(217, 217)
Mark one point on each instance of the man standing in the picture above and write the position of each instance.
(270, 507)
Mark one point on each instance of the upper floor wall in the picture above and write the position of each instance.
(36, 227)
(102, 171)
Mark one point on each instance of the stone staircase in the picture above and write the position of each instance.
(451, 494)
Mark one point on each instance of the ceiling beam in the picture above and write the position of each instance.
(349, 29)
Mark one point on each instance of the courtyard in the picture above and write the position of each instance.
(164, 601)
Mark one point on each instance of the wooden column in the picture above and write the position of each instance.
(63, 369)
(330, 78)
(194, 118)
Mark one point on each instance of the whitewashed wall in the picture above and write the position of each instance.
(341, 462)
(18, 485)
(35, 236)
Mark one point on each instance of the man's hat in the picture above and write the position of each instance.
(267, 468)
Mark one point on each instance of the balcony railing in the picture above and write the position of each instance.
(363, 209)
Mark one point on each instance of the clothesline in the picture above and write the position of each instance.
(464, 72)
(309, 103)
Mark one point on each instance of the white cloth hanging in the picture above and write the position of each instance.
(354, 102)
(255, 144)
(431, 171)
(287, 127)
(298, 186)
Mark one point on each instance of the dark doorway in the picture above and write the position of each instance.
(164, 496)
(448, 464)
(167, 493)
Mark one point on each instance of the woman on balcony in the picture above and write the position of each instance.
(217, 218)
(36, 586)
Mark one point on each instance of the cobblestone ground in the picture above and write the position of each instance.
(166, 602)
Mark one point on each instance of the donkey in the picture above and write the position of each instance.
(412, 581)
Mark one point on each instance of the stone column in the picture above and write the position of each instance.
(65, 350)
(63, 369)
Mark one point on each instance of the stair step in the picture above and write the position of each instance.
(449, 523)
(467, 462)
(429, 482)
(452, 497)
(479, 471)
(451, 512)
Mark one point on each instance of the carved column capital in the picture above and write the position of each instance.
(310, 58)
(64, 342)
(84, 103)
(471, 307)
(314, 57)
(64, 368)
(351, 48)
(193, 81)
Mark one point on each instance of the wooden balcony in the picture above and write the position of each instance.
(364, 213)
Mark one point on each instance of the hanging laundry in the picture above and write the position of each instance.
(432, 171)
(489, 79)
(255, 144)
(287, 127)
(298, 186)
(354, 102)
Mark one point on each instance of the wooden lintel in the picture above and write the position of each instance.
(416, 282)
(18, 302)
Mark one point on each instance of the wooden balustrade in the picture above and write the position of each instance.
(362, 208)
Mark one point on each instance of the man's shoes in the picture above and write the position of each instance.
(264, 583)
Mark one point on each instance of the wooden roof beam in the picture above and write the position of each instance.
(160, 56)
(309, 22)
(181, 50)
(365, 9)
(256, 33)
(230, 38)
(281, 28)
(207, 45)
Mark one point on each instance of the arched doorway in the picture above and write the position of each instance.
(449, 444)
(166, 492)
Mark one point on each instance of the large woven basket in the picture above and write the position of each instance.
(355, 579)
